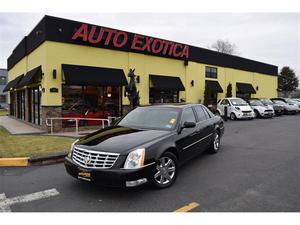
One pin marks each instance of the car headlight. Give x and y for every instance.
(238, 108)
(135, 159)
(72, 146)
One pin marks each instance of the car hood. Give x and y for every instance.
(245, 108)
(260, 108)
(292, 107)
(119, 139)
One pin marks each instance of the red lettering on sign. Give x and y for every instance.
(147, 44)
(82, 32)
(154, 45)
(110, 32)
(171, 48)
(137, 40)
(92, 33)
(166, 43)
(175, 52)
(125, 38)
(185, 52)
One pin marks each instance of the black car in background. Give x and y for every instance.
(278, 109)
(147, 145)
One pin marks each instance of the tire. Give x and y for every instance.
(256, 114)
(232, 116)
(215, 145)
(162, 178)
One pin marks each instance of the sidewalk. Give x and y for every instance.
(17, 127)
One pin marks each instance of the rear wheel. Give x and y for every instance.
(215, 145)
(166, 171)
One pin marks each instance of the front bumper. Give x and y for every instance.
(267, 114)
(113, 177)
(241, 115)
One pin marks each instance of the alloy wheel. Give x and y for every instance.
(216, 142)
(232, 116)
(165, 171)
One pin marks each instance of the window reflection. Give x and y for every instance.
(90, 102)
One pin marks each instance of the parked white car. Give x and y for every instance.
(261, 110)
(237, 108)
(289, 108)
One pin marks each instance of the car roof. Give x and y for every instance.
(179, 105)
(233, 98)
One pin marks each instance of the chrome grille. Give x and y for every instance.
(94, 159)
(248, 111)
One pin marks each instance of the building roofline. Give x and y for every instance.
(215, 58)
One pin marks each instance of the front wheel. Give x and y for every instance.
(232, 116)
(166, 171)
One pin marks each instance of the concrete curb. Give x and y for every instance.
(49, 159)
(32, 161)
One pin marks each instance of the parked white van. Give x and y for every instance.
(237, 108)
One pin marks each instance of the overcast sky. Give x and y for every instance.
(268, 37)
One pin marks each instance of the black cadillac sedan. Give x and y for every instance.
(147, 145)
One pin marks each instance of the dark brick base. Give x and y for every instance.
(51, 112)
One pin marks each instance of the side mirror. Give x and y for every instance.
(186, 125)
(189, 124)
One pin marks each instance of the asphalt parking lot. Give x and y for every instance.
(256, 170)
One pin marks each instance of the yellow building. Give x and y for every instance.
(70, 69)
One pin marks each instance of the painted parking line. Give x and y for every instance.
(5, 203)
(188, 207)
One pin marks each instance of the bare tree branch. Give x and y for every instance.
(225, 46)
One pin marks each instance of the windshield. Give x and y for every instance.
(256, 103)
(291, 101)
(279, 102)
(151, 118)
(238, 102)
(266, 101)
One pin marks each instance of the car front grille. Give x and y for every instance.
(94, 159)
(248, 111)
(268, 110)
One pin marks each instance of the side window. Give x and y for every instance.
(200, 113)
(206, 112)
(188, 115)
(225, 102)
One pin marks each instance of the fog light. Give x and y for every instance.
(135, 182)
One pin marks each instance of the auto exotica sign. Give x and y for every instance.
(106, 36)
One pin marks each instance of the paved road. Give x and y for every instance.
(257, 169)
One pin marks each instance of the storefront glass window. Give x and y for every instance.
(157, 96)
(12, 106)
(90, 102)
(21, 104)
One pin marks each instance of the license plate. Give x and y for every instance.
(83, 175)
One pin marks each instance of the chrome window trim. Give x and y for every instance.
(190, 145)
